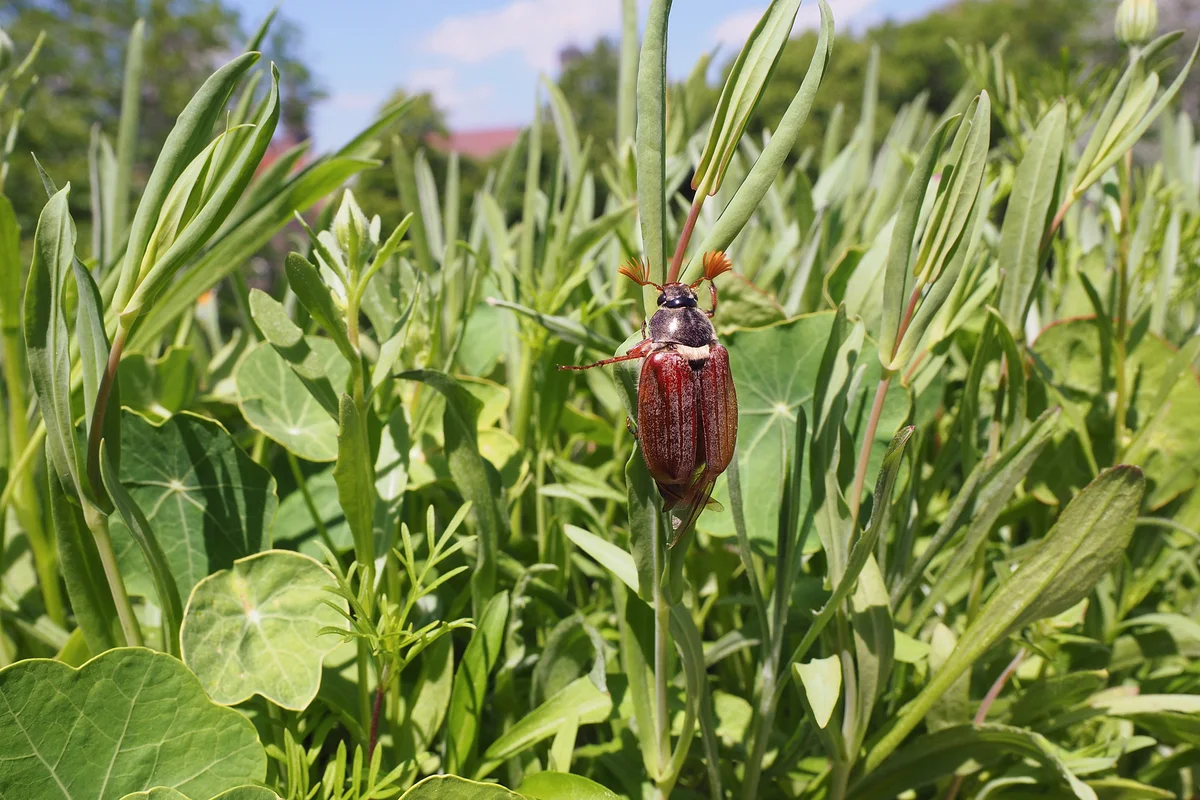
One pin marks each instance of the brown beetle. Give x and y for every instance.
(687, 407)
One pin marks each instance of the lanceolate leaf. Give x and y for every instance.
(46, 337)
(940, 754)
(245, 236)
(1026, 219)
(743, 87)
(898, 275)
(191, 133)
(652, 138)
(354, 475)
(1086, 541)
(471, 683)
(766, 169)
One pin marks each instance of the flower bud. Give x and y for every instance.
(350, 225)
(6, 50)
(1137, 22)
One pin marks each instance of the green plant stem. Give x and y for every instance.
(662, 623)
(1119, 349)
(23, 464)
(766, 719)
(21, 480)
(97, 523)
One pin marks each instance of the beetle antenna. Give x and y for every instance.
(638, 271)
(715, 263)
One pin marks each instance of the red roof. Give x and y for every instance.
(478, 144)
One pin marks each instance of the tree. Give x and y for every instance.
(589, 81)
(82, 67)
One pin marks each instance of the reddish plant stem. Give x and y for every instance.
(985, 705)
(685, 236)
(864, 452)
(376, 711)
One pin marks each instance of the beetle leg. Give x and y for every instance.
(632, 426)
(712, 287)
(640, 350)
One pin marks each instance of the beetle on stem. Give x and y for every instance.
(687, 407)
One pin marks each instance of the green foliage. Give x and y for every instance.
(954, 551)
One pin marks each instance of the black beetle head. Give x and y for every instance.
(677, 295)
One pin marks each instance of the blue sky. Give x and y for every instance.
(482, 58)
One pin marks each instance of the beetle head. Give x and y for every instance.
(677, 295)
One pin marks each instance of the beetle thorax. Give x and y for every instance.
(688, 327)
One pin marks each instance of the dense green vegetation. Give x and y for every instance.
(352, 534)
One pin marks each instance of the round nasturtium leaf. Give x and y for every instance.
(128, 720)
(277, 403)
(207, 501)
(452, 787)
(236, 793)
(254, 629)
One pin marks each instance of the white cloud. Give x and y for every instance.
(537, 29)
(735, 29)
(448, 94)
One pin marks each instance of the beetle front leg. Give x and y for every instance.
(640, 350)
(712, 287)
(631, 426)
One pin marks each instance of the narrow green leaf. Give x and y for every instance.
(770, 162)
(898, 272)
(1089, 537)
(607, 554)
(83, 572)
(10, 267)
(580, 699)
(940, 754)
(131, 98)
(471, 683)
(651, 145)
(1026, 219)
(305, 280)
(246, 236)
(46, 340)
(627, 74)
(216, 208)
(192, 131)
(355, 478)
(744, 86)
(1131, 136)
(1168, 264)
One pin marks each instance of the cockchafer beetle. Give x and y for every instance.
(687, 407)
